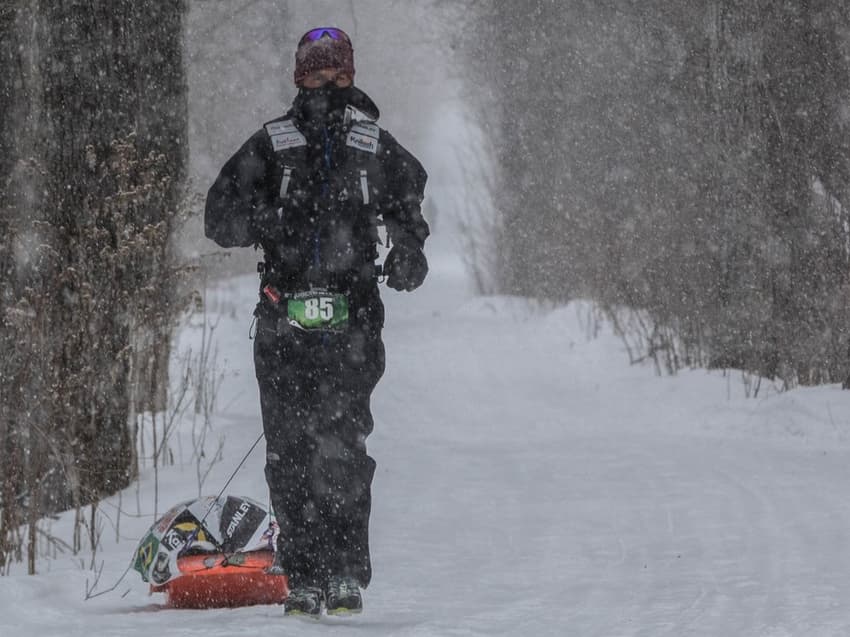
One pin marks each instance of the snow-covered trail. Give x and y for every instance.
(659, 536)
(531, 483)
(566, 494)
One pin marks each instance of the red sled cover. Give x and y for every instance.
(220, 581)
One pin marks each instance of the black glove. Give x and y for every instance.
(405, 267)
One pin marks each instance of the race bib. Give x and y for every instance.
(318, 310)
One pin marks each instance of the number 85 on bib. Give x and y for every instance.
(318, 310)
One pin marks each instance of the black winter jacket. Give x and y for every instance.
(312, 199)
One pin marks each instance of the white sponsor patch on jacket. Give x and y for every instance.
(364, 136)
(285, 135)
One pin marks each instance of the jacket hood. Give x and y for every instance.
(363, 103)
(357, 99)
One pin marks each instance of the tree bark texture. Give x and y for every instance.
(93, 133)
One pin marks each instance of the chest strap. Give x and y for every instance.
(364, 187)
(284, 183)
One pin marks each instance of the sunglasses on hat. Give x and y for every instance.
(330, 32)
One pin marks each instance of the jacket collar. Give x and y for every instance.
(359, 102)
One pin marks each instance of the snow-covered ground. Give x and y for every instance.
(530, 482)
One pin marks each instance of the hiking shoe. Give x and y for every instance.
(342, 596)
(306, 601)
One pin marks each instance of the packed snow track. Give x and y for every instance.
(530, 482)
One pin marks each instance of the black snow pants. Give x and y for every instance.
(315, 390)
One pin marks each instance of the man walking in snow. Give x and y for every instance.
(309, 188)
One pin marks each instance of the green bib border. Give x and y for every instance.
(318, 310)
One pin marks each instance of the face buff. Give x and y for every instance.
(322, 106)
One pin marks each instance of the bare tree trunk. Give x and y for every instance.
(91, 176)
